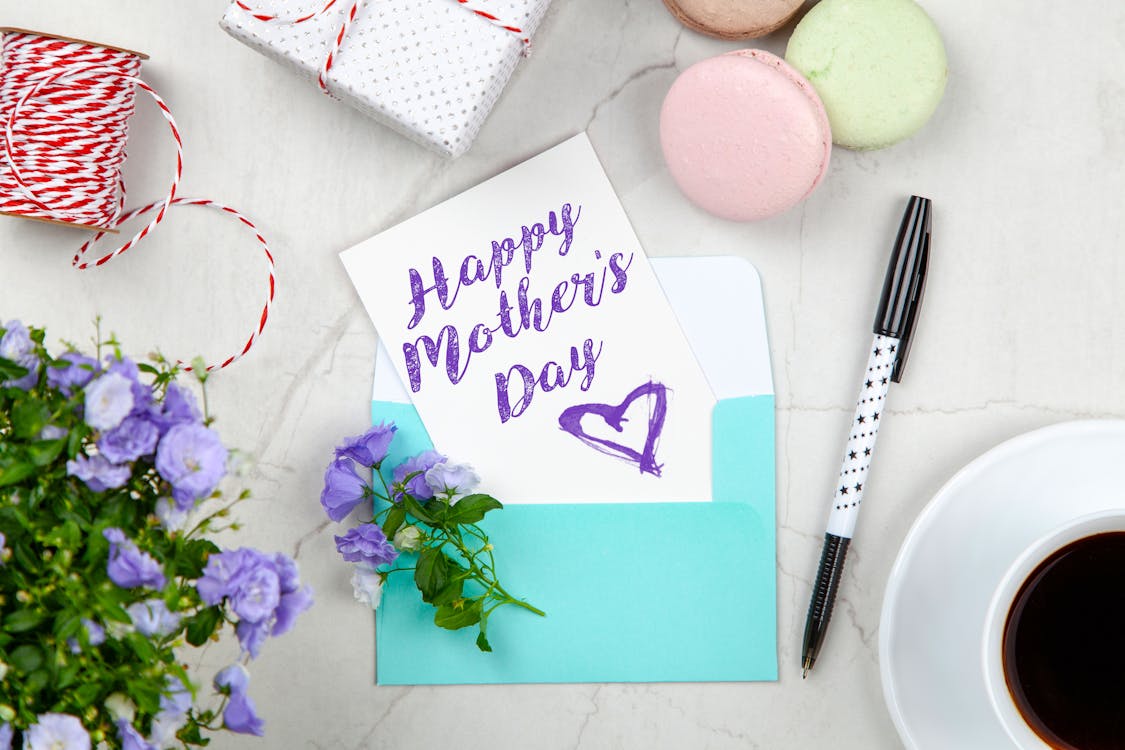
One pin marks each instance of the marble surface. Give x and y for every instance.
(1022, 326)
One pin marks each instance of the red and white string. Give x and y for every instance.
(472, 6)
(65, 109)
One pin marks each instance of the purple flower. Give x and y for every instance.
(152, 617)
(193, 460)
(370, 448)
(56, 732)
(127, 368)
(290, 605)
(449, 477)
(258, 593)
(240, 715)
(128, 441)
(418, 465)
(179, 407)
(95, 636)
(251, 636)
(175, 703)
(129, 567)
(16, 346)
(79, 371)
(109, 399)
(5, 736)
(288, 577)
(130, 738)
(232, 679)
(170, 515)
(295, 599)
(52, 432)
(223, 574)
(263, 591)
(95, 632)
(344, 489)
(98, 473)
(366, 544)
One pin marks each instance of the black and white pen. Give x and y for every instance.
(894, 327)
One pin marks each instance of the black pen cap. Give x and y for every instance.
(905, 281)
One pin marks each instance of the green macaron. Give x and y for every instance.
(879, 66)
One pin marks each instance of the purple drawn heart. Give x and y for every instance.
(614, 416)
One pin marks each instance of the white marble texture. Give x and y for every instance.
(1021, 328)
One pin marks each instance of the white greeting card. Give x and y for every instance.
(535, 341)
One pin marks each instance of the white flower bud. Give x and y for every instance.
(120, 707)
(408, 539)
(367, 584)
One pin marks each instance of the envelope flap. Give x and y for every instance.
(662, 592)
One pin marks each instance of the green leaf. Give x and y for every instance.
(22, 620)
(482, 637)
(36, 681)
(452, 617)
(471, 508)
(416, 510)
(9, 370)
(192, 558)
(450, 593)
(26, 658)
(431, 574)
(29, 416)
(396, 517)
(110, 607)
(144, 693)
(437, 509)
(191, 736)
(201, 625)
(67, 676)
(15, 471)
(142, 647)
(67, 625)
(44, 452)
(64, 536)
(87, 693)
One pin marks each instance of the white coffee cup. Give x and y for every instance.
(992, 652)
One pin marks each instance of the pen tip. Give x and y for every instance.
(805, 667)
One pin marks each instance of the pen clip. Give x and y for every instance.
(914, 243)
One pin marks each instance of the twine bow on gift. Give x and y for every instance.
(349, 17)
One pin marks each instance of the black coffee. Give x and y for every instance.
(1064, 646)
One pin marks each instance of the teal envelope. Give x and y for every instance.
(634, 592)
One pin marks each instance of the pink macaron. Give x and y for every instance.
(745, 135)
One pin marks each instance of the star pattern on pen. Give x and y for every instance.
(865, 425)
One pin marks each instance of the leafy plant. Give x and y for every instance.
(105, 567)
(427, 510)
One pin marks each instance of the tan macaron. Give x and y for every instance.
(734, 19)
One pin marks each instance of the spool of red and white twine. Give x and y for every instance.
(65, 106)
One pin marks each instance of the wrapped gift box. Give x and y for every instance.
(429, 69)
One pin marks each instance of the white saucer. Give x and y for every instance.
(954, 557)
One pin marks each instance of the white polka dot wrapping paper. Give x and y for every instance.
(429, 69)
